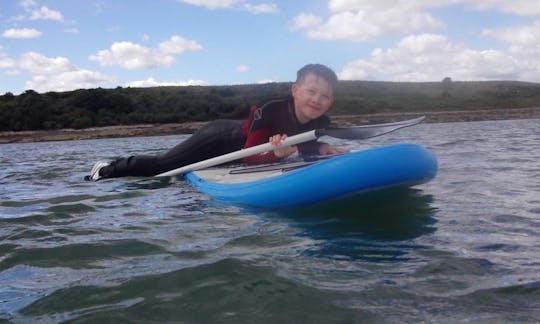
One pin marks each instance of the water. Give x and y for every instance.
(462, 248)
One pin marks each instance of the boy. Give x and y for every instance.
(312, 96)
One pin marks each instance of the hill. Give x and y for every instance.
(99, 107)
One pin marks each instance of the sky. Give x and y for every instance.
(63, 45)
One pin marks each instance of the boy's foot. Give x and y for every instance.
(94, 174)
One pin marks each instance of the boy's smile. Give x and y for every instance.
(313, 97)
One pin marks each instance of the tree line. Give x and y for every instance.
(85, 108)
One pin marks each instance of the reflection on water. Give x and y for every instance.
(376, 226)
(392, 214)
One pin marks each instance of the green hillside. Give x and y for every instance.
(127, 106)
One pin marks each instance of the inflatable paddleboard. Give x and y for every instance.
(298, 184)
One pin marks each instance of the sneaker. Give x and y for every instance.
(94, 174)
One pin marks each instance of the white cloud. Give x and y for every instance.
(37, 63)
(304, 21)
(523, 45)
(34, 13)
(234, 4)
(57, 74)
(212, 4)
(242, 68)
(260, 8)
(518, 7)
(337, 6)
(523, 39)
(151, 82)
(5, 61)
(428, 57)
(269, 80)
(133, 56)
(363, 20)
(21, 33)
(431, 57)
(45, 13)
(178, 45)
(27, 3)
(66, 81)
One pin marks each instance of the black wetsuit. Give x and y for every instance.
(221, 137)
(215, 138)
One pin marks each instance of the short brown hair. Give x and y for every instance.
(319, 70)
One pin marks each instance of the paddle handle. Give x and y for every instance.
(240, 154)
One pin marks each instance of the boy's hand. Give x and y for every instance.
(281, 152)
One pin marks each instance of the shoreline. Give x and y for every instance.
(190, 127)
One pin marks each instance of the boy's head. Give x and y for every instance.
(313, 92)
(319, 70)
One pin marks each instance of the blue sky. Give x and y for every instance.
(61, 45)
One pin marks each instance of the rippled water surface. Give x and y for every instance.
(464, 247)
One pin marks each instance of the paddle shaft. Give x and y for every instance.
(240, 154)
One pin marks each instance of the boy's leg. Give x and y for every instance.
(215, 138)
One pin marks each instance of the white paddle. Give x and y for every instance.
(358, 132)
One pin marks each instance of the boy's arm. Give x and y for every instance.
(258, 137)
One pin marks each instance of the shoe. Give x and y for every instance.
(94, 174)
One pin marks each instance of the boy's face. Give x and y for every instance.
(313, 97)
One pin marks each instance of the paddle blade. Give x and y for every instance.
(367, 131)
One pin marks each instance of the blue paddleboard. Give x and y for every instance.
(290, 185)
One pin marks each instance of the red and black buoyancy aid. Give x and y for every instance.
(278, 117)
